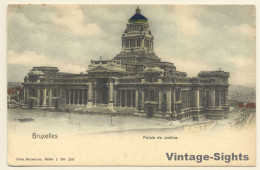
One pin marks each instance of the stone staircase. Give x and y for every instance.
(99, 109)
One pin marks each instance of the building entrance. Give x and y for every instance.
(150, 112)
(56, 104)
(102, 91)
(30, 104)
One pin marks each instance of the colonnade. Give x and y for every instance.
(137, 43)
(217, 98)
(134, 98)
(128, 98)
(44, 96)
(76, 96)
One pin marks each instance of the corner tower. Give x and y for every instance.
(137, 41)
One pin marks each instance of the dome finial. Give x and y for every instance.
(138, 11)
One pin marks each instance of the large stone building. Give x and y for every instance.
(135, 78)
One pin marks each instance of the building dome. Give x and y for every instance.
(138, 17)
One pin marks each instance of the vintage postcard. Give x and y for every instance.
(131, 85)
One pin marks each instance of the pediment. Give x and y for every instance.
(99, 69)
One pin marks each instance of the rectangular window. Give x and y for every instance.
(178, 94)
(151, 98)
(217, 98)
(54, 92)
(201, 97)
(164, 97)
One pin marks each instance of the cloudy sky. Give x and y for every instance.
(194, 38)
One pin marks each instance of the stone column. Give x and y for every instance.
(73, 96)
(212, 97)
(61, 96)
(115, 98)
(197, 98)
(95, 96)
(83, 95)
(142, 42)
(120, 98)
(111, 94)
(86, 96)
(111, 91)
(28, 93)
(142, 101)
(64, 95)
(69, 96)
(174, 100)
(226, 106)
(78, 100)
(90, 93)
(169, 102)
(225, 97)
(125, 98)
(160, 100)
(205, 98)
(38, 97)
(50, 97)
(44, 96)
(24, 94)
(131, 98)
(219, 97)
(180, 95)
(136, 100)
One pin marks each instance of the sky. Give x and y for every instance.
(194, 37)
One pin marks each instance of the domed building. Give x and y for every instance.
(136, 79)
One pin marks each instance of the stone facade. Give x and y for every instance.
(135, 78)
